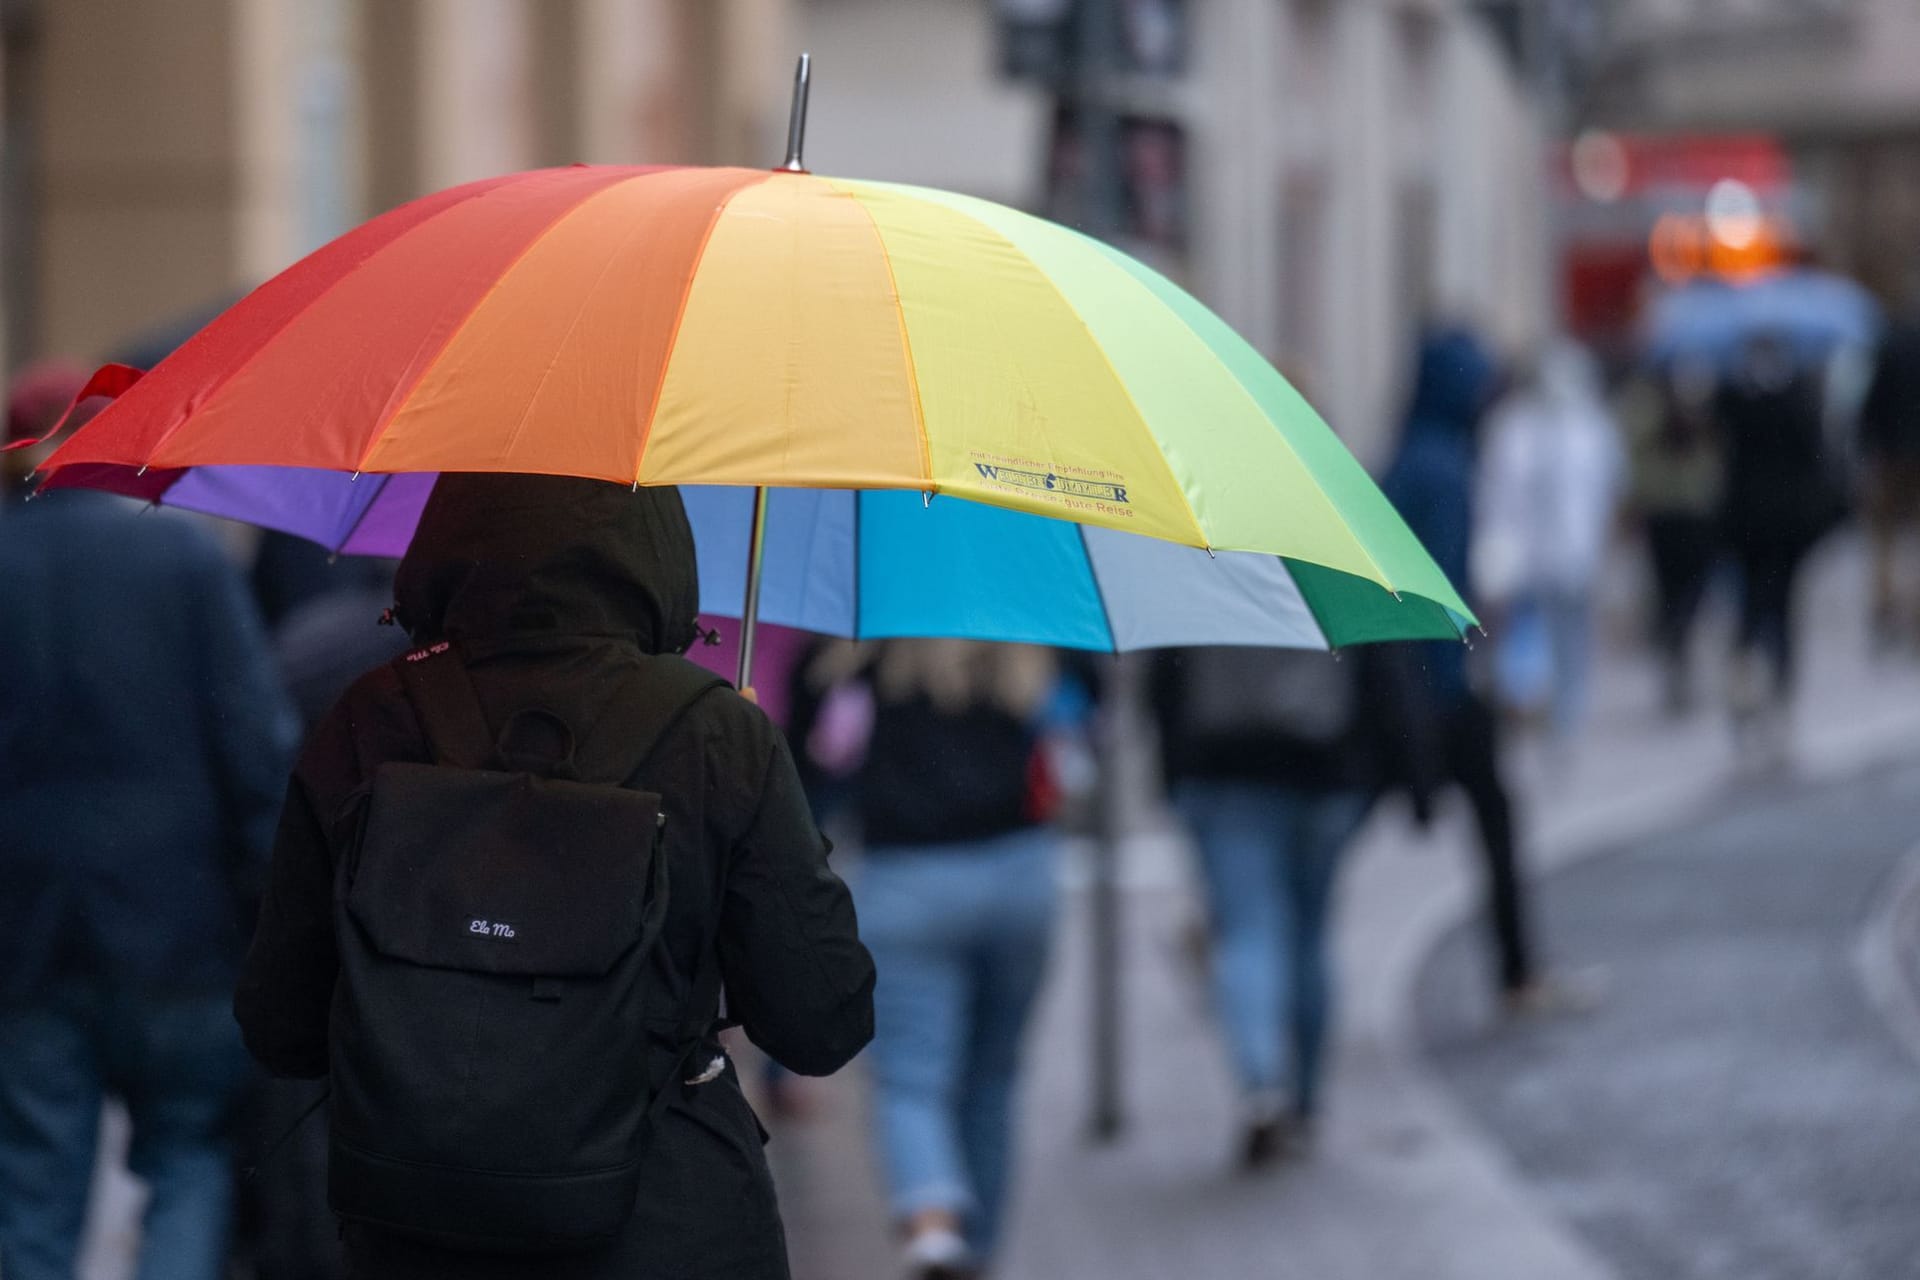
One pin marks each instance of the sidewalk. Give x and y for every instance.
(1403, 1185)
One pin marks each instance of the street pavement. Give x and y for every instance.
(1739, 1107)
(1407, 1183)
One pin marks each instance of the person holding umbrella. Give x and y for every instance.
(556, 594)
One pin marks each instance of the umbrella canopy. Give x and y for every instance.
(1816, 311)
(739, 327)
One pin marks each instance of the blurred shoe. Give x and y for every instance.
(939, 1254)
(1556, 995)
(1272, 1132)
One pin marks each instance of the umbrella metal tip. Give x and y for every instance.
(797, 120)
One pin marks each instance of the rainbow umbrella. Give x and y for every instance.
(771, 329)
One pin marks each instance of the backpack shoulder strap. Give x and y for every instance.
(442, 695)
(654, 704)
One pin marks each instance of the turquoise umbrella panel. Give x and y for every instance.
(879, 564)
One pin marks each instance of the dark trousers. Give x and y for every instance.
(1769, 572)
(177, 1062)
(1473, 763)
(1681, 548)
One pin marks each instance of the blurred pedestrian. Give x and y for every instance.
(1265, 756)
(143, 742)
(1783, 493)
(1890, 450)
(554, 599)
(1551, 473)
(957, 896)
(1431, 482)
(1677, 477)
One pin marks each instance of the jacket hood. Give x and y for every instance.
(499, 555)
(1454, 381)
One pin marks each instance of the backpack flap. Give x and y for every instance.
(507, 873)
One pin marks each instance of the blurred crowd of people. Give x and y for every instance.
(140, 784)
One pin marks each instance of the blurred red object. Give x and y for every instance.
(39, 395)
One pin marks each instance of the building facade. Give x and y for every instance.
(160, 158)
(1833, 80)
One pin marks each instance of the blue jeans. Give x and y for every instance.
(1268, 856)
(1546, 656)
(178, 1063)
(959, 935)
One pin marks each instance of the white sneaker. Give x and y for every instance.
(938, 1254)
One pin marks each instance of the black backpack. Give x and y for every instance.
(1296, 696)
(491, 1081)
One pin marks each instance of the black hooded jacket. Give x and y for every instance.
(556, 591)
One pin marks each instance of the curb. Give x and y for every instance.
(1887, 958)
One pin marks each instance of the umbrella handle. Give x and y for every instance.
(750, 607)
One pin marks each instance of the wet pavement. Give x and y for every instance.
(1739, 1106)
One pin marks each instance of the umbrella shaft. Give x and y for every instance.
(797, 119)
(750, 608)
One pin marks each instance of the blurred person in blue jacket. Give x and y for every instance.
(144, 741)
(1431, 483)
